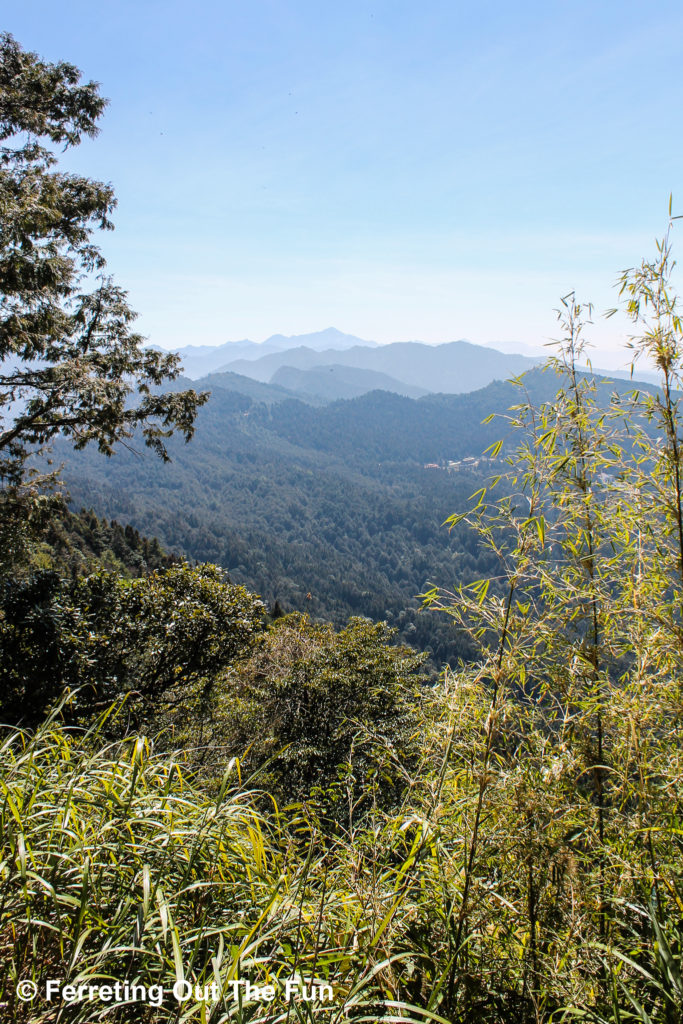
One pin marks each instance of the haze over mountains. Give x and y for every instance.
(200, 360)
(334, 381)
(332, 365)
(330, 508)
(329, 365)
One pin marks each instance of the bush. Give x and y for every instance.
(323, 704)
(157, 641)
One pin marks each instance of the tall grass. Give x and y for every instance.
(117, 866)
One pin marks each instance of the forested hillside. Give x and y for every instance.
(326, 510)
(81, 542)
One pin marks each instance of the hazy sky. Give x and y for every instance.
(399, 170)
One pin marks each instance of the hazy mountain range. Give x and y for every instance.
(330, 508)
(334, 508)
(333, 381)
(330, 365)
(199, 360)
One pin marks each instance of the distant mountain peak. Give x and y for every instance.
(330, 337)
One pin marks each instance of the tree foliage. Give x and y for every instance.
(312, 701)
(70, 363)
(156, 642)
(573, 820)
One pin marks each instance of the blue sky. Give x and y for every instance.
(398, 170)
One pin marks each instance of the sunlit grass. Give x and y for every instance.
(117, 866)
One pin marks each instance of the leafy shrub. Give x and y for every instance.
(159, 640)
(313, 701)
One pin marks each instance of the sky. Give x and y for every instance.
(400, 171)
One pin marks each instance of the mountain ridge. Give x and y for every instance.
(297, 363)
(455, 367)
(200, 360)
(333, 382)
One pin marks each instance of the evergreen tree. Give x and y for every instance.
(70, 362)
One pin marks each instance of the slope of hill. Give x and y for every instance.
(238, 384)
(334, 382)
(81, 542)
(199, 360)
(333, 510)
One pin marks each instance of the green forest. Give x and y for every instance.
(231, 802)
(326, 511)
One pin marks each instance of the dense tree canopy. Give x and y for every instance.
(310, 701)
(158, 641)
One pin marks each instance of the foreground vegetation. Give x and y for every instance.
(485, 893)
